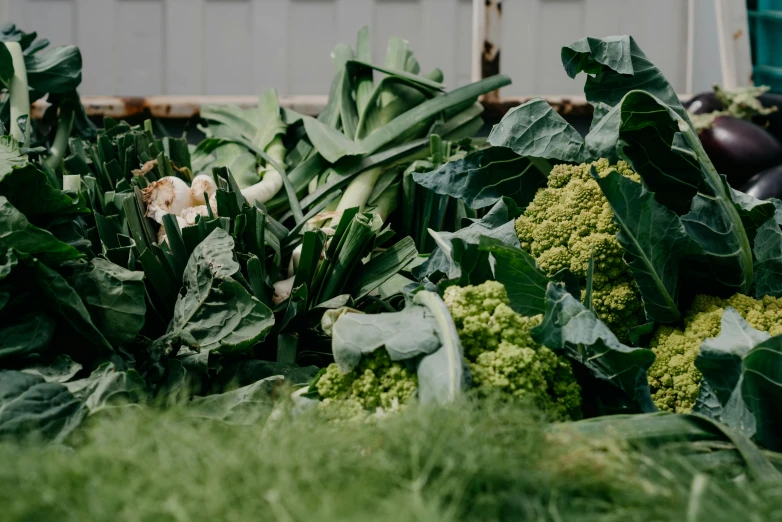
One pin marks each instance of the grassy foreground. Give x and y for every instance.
(464, 462)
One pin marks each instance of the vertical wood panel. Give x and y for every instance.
(439, 46)
(54, 19)
(464, 43)
(400, 18)
(139, 47)
(229, 67)
(96, 39)
(269, 45)
(312, 34)
(184, 71)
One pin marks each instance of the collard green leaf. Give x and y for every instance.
(16, 232)
(519, 273)
(62, 369)
(754, 212)
(484, 176)
(28, 189)
(57, 69)
(567, 325)
(654, 242)
(244, 406)
(115, 298)
(404, 335)
(29, 335)
(65, 301)
(381, 268)
(761, 390)
(107, 386)
(615, 66)
(668, 155)
(457, 253)
(720, 362)
(31, 406)
(217, 313)
(535, 129)
(768, 260)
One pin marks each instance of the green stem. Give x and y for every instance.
(60, 143)
(358, 191)
(19, 95)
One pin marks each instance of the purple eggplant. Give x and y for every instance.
(740, 149)
(766, 184)
(703, 103)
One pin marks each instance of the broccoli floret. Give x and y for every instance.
(376, 383)
(674, 380)
(570, 219)
(502, 356)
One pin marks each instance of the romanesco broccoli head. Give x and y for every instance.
(377, 382)
(502, 356)
(568, 221)
(674, 380)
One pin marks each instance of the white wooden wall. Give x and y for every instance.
(145, 47)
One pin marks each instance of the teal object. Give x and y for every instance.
(765, 27)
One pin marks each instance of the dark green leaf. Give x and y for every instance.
(62, 369)
(216, 313)
(535, 129)
(768, 260)
(517, 271)
(244, 406)
(17, 233)
(114, 298)
(31, 406)
(654, 242)
(57, 69)
(482, 177)
(30, 335)
(569, 326)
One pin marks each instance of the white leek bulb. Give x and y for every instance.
(161, 232)
(169, 195)
(282, 290)
(293, 265)
(203, 183)
(190, 213)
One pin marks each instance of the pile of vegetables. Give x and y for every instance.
(740, 130)
(588, 277)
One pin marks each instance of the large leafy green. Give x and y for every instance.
(742, 380)
(654, 242)
(614, 66)
(457, 254)
(404, 335)
(568, 325)
(16, 232)
(484, 176)
(216, 313)
(768, 260)
(536, 130)
(114, 296)
(31, 406)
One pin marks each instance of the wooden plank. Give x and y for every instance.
(52, 19)
(733, 38)
(439, 46)
(568, 18)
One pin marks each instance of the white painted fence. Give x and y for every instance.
(147, 47)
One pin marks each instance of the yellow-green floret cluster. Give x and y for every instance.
(502, 356)
(673, 378)
(377, 382)
(567, 221)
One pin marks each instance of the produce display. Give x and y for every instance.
(379, 258)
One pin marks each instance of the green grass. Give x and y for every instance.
(464, 462)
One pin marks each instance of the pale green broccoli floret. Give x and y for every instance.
(570, 219)
(674, 380)
(502, 356)
(376, 382)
